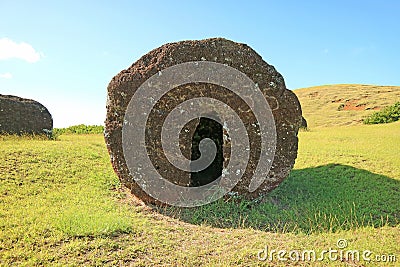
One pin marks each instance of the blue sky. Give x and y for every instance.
(64, 53)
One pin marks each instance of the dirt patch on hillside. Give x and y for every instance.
(313, 94)
(352, 105)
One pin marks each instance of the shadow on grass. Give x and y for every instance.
(322, 199)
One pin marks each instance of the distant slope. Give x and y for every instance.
(344, 104)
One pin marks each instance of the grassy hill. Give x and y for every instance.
(61, 203)
(344, 104)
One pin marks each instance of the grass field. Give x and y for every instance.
(62, 205)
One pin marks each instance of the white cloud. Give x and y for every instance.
(10, 49)
(6, 75)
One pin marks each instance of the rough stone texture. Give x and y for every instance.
(285, 105)
(19, 115)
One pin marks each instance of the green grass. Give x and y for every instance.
(61, 204)
(78, 129)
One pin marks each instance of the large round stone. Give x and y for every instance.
(20, 115)
(284, 104)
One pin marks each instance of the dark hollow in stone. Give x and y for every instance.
(285, 107)
(207, 128)
(20, 115)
